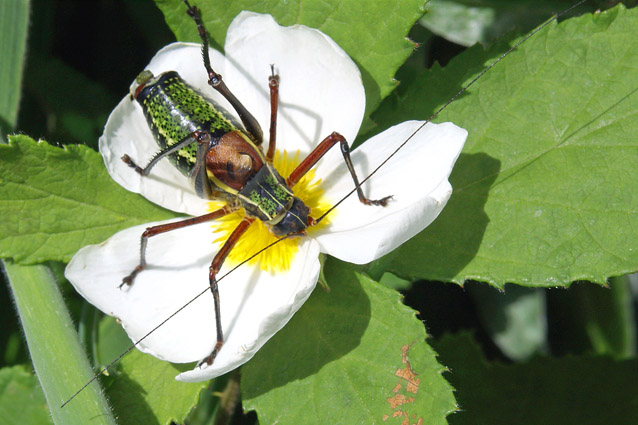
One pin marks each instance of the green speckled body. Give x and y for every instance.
(233, 168)
(268, 197)
(174, 111)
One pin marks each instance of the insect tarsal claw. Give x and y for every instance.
(380, 202)
(209, 359)
(128, 280)
(128, 161)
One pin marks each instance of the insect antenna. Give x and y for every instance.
(333, 207)
(136, 343)
(452, 99)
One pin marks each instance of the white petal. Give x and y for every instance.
(127, 132)
(265, 306)
(176, 273)
(254, 304)
(320, 86)
(416, 177)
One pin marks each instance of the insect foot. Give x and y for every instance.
(128, 161)
(210, 358)
(380, 202)
(128, 280)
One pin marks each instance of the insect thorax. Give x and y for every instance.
(174, 110)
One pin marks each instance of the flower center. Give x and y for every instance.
(278, 257)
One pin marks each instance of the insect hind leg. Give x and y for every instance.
(215, 267)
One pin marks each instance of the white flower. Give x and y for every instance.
(320, 92)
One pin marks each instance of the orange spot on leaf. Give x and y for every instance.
(412, 386)
(399, 400)
(407, 373)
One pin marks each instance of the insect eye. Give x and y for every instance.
(202, 136)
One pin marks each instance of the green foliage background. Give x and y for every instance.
(544, 197)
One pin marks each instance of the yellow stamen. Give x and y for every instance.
(279, 257)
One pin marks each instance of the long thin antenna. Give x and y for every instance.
(452, 99)
(434, 115)
(136, 343)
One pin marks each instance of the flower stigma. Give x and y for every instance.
(278, 257)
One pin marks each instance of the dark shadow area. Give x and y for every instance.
(578, 390)
(13, 346)
(590, 318)
(81, 58)
(567, 312)
(492, 304)
(447, 308)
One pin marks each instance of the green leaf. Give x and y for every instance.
(340, 358)
(14, 20)
(571, 390)
(57, 200)
(373, 34)
(395, 282)
(145, 391)
(55, 349)
(22, 401)
(543, 188)
(467, 22)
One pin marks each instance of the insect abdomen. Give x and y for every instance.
(174, 111)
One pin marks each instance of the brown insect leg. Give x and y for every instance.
(163, 228)
(215, 266)
(273, 84)
(319, 152)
